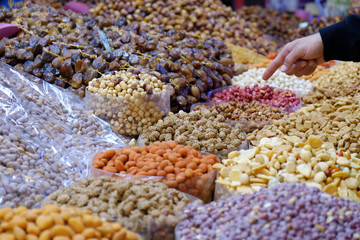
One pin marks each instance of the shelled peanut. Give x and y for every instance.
(58, 223)
(335, 120)
(319, 72)
(343, 71)
(342, 88)
(177, 166)
(129, 100)
(274, 160)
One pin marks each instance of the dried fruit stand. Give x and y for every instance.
(150, 120)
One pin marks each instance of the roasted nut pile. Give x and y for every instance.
(177, 166)
(279, 79)
(198, 18)
(129, 100)
(336, 120)
(147, 208)
(65, 49)
(204, 130)
(45, 136)
(275, 160)
(266, 95)
(285, 211)
(342, 88)
(343, 71)
(256, 115)
(319, 72)
(58, 223)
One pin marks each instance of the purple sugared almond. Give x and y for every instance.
(78, 7)
(284, 211)
(8, 30)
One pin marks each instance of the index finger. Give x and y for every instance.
(276, 63)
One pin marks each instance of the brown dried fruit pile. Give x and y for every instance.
(64, 48)
(202, 18)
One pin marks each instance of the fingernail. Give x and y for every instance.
(283, 68)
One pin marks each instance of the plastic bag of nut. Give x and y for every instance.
(129, 100)
(190, 178)
(45, 138)
(285, 100)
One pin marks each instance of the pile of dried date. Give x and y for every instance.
(66, 49)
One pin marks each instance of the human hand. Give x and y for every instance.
(300, 57)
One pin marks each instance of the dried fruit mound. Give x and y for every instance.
(284, 211)
(66, 49)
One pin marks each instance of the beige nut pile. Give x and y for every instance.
(340, 72)
(58, 223)
(336, 120)
(315, 163)
(126, 84)
(129, 102)
(204, 130)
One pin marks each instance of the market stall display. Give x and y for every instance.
(58, 223)
(170, 113)
(150, 209)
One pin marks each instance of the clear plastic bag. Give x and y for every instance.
(129, 116)
(46, 137)
(201, 187)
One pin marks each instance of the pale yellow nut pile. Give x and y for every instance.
(129, 102)
(290, 160)
(340, 72)
(126, 84)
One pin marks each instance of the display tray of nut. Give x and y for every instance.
(289, 160)
(177, 166)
